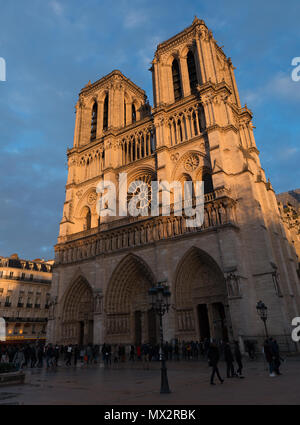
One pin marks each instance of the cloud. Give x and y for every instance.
(56, 7)
(280, 87)
(284, 87)
(134, 19)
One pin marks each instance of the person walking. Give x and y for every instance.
(213, 359)
(238, 359)
(69, 355)
(19, 359)
(229, 360)
(132, 353)
(276, 356)
(268, 351)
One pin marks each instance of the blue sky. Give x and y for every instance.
(53, 48)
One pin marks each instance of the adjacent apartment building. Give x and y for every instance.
(25, 297)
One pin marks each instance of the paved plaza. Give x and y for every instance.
(130, 384)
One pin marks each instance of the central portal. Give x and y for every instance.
(128, 317)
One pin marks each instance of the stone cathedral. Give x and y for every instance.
(196, 130)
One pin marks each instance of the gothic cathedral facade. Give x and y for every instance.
(197, 130)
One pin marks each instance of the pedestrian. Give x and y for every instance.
(238, 359)
(81, 354)
(268, 351)
(132, 353)
(69, 355)
(213, 359)
(276, 356)
(228, 356)
(19, 359)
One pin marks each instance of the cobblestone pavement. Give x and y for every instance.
(132, 385)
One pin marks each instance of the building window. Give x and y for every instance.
(22, 276)
(47, 300)
(133, 113)
(37, 300)
(176, 80)
(192, 71)
(87, 218)
(29, 300)
(105, 113)
(124, 113)
(20, 300)
(8, 299)
(94, 121)
(11, 274)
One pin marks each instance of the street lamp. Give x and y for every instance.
(262, 311)
(160, 296)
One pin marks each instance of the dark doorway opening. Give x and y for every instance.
(138, 327)
(203, 321)
(81, 333)
(91, 332)
(219, 307)
(152, 327)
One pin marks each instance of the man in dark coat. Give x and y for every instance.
(229, 360)
(268, 350)
(213, 359)
(238, 359)
(276, 354)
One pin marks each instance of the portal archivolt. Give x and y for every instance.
(128, 319)
(78, 310)
(200, 297)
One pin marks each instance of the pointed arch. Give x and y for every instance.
(133, 113)
(200, 297)
(191, 64)
(105, 112)
(188, 275)
(77, 312)
(177, 87)
(94, 121)
(87, 216)
(128, 285)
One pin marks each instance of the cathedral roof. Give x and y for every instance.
(178, 36)
(111, 76)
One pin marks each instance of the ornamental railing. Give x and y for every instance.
(131, 232)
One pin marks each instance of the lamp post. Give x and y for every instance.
(262, 311)
(160, 296)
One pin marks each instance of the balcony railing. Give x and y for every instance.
(26, 279)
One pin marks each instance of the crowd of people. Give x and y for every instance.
(38, 355)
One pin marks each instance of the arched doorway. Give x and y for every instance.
(129, 319)
(201, 298)
(78, 314)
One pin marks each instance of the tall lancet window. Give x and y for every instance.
(192, 71)
(176, 80)
(124, 113)
(105, 113)
(133, 113)
(94, 121)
